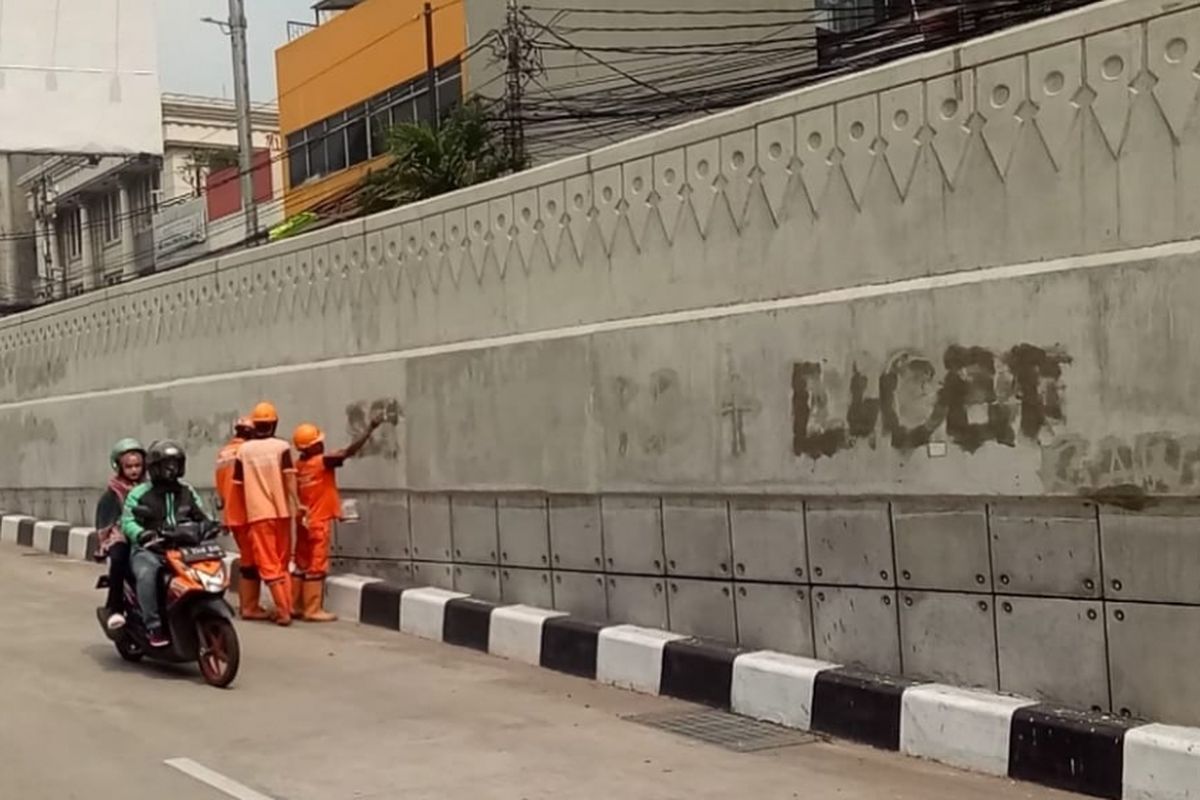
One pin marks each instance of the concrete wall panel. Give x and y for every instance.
(850, 544)
(430, 574)
(1153, 653)
(769, 542)
(473, 529)
(481, 582)
(352, 540)
(773, 617)
(576, 538)
(1055, 550)
(696, 537)
(523, 523)
(430, 518)
(857, 627)
(942, 546)
(702, 608)
(531, 587)
(388, 570)
(581, 594)
(1053, 650)
(638, 600)
(384, 517)
(949, 638)
(633, 539)
(485, 411)
(1152, 557)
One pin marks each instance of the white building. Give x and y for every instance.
(94, 217)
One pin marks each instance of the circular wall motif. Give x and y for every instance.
(1176, 49)
(1112, 67)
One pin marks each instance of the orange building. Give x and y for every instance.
(359, 70)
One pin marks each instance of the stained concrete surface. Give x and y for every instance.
(340, 712)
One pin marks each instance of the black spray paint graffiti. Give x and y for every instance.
(980, 398)
(386, 441)
(1150, 463)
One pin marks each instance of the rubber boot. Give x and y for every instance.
(297, 596)
(249, 598)
(281, 593)
(314, 595)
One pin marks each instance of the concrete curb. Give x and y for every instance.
(1101, 755)
(1091, 753)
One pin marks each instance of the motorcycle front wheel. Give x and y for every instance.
(219, 653)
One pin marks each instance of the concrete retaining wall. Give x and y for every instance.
(840, 318)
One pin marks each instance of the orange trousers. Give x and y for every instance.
(312, 548)
(241, 536)
(271, 547)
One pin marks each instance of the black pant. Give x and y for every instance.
(118, 572)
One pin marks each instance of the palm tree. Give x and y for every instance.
(429, 161)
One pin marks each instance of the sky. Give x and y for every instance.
(194, 57)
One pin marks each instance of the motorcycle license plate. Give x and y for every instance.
(204, 552)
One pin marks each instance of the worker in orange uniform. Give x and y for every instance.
(317, 478)
(267, 477)
(233, 516)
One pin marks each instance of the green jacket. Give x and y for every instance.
(168, 505)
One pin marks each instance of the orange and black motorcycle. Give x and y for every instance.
(191, 593)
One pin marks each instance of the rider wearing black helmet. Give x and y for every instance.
(160, 504)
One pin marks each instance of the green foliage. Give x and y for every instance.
(426, 161)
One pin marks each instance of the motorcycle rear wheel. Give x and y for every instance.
(219, 653)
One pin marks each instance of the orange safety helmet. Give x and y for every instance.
(264, 413)
(307, 435)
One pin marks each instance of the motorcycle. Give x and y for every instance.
(191, 592)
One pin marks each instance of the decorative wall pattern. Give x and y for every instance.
(1072, 136)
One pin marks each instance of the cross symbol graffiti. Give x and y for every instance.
(737, 405)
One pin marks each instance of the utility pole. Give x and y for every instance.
(430, 67)
(43, 201)
(241, 95)
(514, 42)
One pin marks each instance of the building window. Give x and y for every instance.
(359, 133)
(335, 143)
(110, 217)
(141, 199)
(72, 234)
(297, 155)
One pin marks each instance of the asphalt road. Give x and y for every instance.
(339, 712)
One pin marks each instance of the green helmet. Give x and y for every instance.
(126, 445)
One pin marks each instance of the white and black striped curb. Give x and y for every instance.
(1092, 753)
(49, 536)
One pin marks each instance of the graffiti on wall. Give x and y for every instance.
(1155, 463)
(385, 443)
(975, 396)
(651, 413)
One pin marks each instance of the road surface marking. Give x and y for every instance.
(214, 779)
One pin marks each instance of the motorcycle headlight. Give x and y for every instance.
(210, 582)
